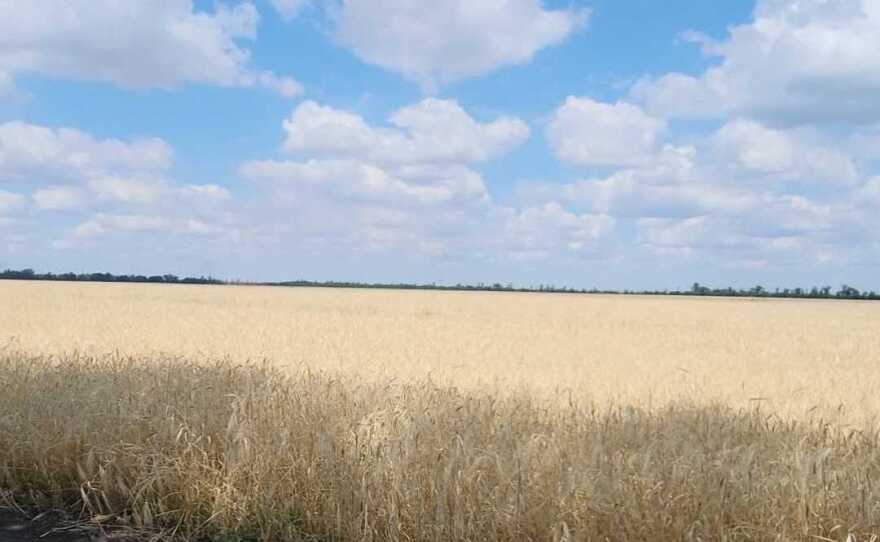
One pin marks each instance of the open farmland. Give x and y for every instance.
(279, 414)
(798, 358)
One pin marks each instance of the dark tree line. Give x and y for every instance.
(824, 292)
(30, 274)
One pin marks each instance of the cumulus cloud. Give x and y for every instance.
(788, 230)
(778, 229)
(403, 183)
(802, 62)
(36, 154)
(144, 191)
(745, 192)
(409, 185)
(541, 230)
(290, 8)
(57, 198)
(127, 190)
(678, 95)
(350, 179)
(285, 86)
(431, 131)
(422, 156)
(675, 184)
(868, 195)
(625, 194)
(107, 224)
(451, 39)
(112, 186)
(10, 202)
(587, 132)
(72, 169)
(783, 154)
(204, 193)
(781, 176)
(137, 44)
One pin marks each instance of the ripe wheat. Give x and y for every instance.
(276, 414)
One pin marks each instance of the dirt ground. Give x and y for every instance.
(49, 527)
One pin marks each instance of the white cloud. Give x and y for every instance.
(869, 194)
(449, 39)
(132, 191)
(682, 235)
(800, 62)
(431, 131)
(106, 224)
(678, 95)
(780, 181)
(205, 193)
(7, 86)
(724, 199)
(421, 157)
(784, 154)
(399, 186)
(409, 187)
(138, 44)
(235, 21)
(625, 194)
(745, 241)
(584, 131)
(127, 190)
(350, 179)
(285, 86)
(59, 198)
(544, 229)
(443, 125)
(38, 154)
(73, 171)
(318, 129)
(778, 230)
(676, 183)
(290, 8)
(865, 143)
(10, 202)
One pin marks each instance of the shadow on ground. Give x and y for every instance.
(49, 527)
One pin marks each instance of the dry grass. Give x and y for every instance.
(437, 416)
(219, 450)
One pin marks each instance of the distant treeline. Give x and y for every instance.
(30, 274)
(824, 292)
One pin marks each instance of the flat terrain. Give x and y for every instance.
(799, 358)
(247, 414)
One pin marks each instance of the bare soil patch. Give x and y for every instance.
(48, 527)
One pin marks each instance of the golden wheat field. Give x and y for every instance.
(242, 413)
(799, 358)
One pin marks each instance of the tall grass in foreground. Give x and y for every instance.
(250, 452)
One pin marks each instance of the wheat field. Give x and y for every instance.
(800, 358)
(254, 413)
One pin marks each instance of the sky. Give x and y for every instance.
(608, 143)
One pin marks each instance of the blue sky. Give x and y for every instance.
(618, 144)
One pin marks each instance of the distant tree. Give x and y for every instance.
(847, 292)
